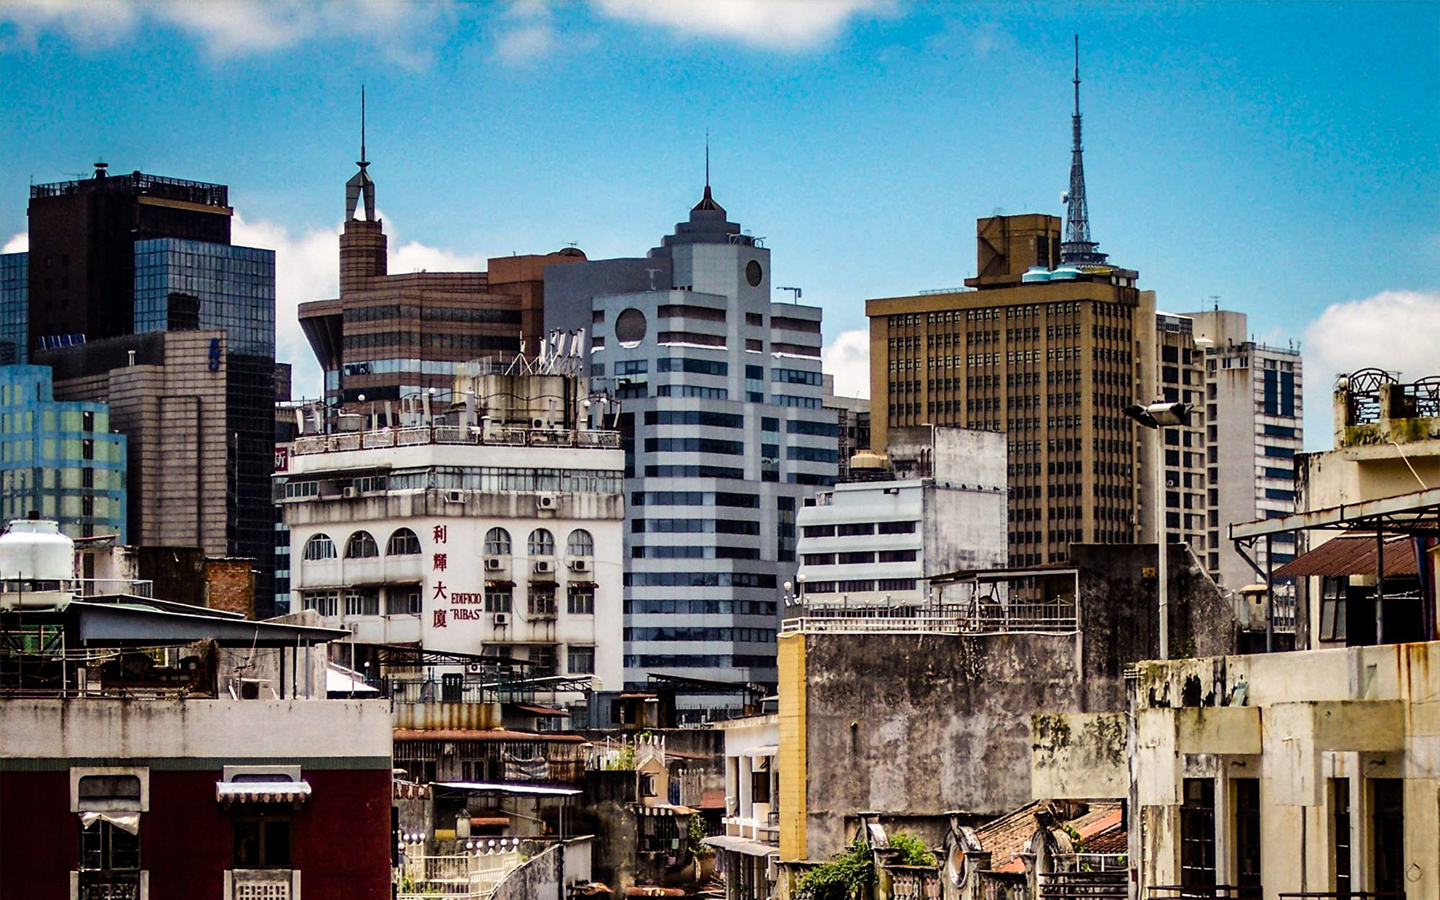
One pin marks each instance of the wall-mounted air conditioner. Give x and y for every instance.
(493, 564)
(502, 619)
(579, 565)
(349, 493)
(454, 496)
(544, 567)
(546, 501)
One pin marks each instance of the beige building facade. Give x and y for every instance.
(1049, 354)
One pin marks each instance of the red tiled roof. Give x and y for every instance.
(1007, 836)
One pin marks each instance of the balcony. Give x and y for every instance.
(457, 435)
(261, 884)
(106, 885)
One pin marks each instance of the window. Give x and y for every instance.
(403, 542)
(401, 601)
(1197, 834)
(362, 602)
(499, 598)
(542, 600)
(580, 599)
(1332, 607)
(361, 546)
(326, 603)
(581, 661)
(897, 527)
(1340, 840)
(108, 846)
(262, 842)
(497, 542)
(760, 787)
(542, 542)
(581, 543)
(1247, 836)
(319, 547)
(1387, 834)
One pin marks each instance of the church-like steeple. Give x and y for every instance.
(1078, 247)
(361, 184)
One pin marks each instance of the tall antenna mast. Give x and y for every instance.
(362, 125)
(360, 188)
(707, 159)
(1077, 246)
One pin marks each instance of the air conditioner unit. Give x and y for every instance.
(502, 619)
(349, 493)
(454, 496)
(476, 668)
(546, 501)
(544, 567)
(579, 565)
(493, 564)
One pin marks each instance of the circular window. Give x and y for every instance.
(753, 273)
(630, 327)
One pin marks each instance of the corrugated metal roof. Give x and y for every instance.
(476, 734)
(1351, 556)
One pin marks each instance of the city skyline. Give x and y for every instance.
(1220, 163)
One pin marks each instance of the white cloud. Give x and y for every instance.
(19, 243)
(525, 44)
(772, 24)
(1398, 331)
(307, 267)
(848, 360)
(235, 28)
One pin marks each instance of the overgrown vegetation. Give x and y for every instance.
(913, 851)
(842, 878)
(696, 835)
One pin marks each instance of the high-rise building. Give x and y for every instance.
(82, 245)
(1047, 343)
(119, 255)
(720, 405)
(389, 336)
(14, 308)
(852, 422)
(59, 459)
(1254, 423)
(1181, 377)
(1048, 355)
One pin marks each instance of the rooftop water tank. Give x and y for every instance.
(35, 550)
(1036, 273)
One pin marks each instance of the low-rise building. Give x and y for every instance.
(493, 528)
(751, 840)
(155, 749)
(936, 504)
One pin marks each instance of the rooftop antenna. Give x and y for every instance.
(1215, 301)
(707, 160)
(361, 184)
(1078, 247)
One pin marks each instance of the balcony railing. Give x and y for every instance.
(456, 435)
(980, 618)
(83, 587)
(109, 886)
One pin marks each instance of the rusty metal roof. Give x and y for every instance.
(1352, 556)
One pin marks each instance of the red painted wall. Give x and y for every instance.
(340, 836)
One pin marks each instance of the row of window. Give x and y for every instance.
(861, 557)
(860, 585)
(741, 635)
(701, 607)
(404, 542)
(853, 529)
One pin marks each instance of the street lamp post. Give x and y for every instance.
(1157, 417)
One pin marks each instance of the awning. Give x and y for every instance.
(767, 750)
(261, 791)
(740, 845)
(1351, 556)
(484, 787)
(663, 809)
(340, 680)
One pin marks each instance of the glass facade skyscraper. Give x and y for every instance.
(14, 308)
(186, 285)
(59, 458)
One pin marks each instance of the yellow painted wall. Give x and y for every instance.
(791, 759)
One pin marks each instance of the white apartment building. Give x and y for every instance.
(494, 529)
(1254, 427)
(752, 806)
(939, 506)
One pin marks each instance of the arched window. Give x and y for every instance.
(403, 543)
(581, 543)
(497, 542)
(542, 543)
(361, 546)
(320, 547)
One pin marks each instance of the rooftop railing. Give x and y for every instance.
(83, 587)
(382, 438)
(1051, 616)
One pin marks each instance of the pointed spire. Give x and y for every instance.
(1077, 246)
(361, 185)
(707, 202)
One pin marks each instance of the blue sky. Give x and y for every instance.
(1283, 157)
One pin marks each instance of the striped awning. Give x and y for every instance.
(261, 791)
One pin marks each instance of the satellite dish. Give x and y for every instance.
(1064, 196)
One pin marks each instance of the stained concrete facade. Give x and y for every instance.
(910, 722)
(1340, 747)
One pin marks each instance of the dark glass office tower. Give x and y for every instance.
(119, 255)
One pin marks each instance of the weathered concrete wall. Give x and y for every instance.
(914, 725)
(538, 878)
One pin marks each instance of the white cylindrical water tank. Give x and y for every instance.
(35, 550)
